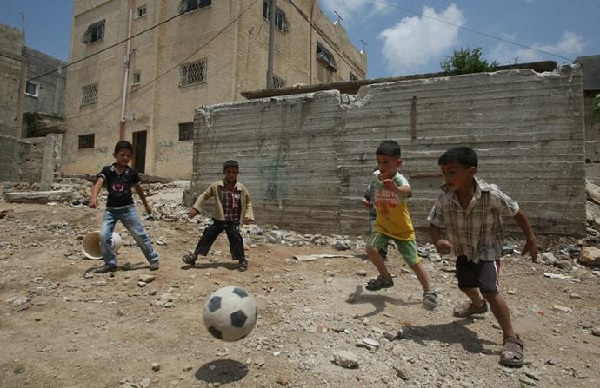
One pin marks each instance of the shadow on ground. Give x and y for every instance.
(222, 371)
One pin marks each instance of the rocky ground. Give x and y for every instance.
(315, 328)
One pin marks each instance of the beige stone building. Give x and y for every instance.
(183, 54)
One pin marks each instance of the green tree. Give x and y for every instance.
(466, 61)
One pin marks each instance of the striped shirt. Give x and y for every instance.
(475, 232)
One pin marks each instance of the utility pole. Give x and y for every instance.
(126, 64)
(272, 8)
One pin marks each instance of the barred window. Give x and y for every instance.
(191, 5)
(325, 56)
(86, 141)
(141, 11)
(89, 94)
(137, 77)
(31, 88)
(278, 83)
(281, 22)
(186, 131)
(192, 73)
(94, 32)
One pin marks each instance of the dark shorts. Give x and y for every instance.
(482, 275)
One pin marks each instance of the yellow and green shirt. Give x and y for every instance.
(393, 216)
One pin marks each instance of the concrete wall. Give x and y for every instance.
(51, 87)
(592, 128)
(22, 160)
(11, 74)
(307, 158)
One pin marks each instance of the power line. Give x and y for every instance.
(471, 30)
(106, 48)
(221, 31)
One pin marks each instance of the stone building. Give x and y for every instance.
(31, 107)
(182, 55)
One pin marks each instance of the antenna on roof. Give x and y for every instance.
(340, 19)
(364, 48)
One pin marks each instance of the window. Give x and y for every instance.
(281, 22)
(353, 77)
(192, 73)
(191, 5)
(141, 11)
(186, 131)
(137, 77)
(326, 57)
(86, 141)
(94, 33)
(31, 88)
(89, 94)
(278, 83)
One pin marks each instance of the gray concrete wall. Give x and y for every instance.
(592, 128)
(308, 158)
(11, 73)
(42, 69)
(23, 160)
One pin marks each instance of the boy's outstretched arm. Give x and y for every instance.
(140, 191)
(94, 195)
(391, 186)
(531, 245)
(442, 246)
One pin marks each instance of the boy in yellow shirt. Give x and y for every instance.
(393, 222)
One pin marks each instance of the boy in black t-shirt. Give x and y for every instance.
(119, 178)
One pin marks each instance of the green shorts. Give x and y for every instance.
(408, 248)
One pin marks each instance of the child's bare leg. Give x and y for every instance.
(475, 296)
(422, 276)
(377, 260)
(501, 312)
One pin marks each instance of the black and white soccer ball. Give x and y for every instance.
(230, 313)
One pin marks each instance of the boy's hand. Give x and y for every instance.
(366, 203)
(193, 213)
(247, 221)
(531, 246)
(443, 246)
(93, 203)
(389, 184)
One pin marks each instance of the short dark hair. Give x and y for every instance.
(123, 145)
(465, 156)
(389, 148)
(230, 163)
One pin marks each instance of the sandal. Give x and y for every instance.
(512, 352)
(189, 259)
(243, 265)
(379, 283)
(470, 309)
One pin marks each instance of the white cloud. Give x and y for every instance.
(351, 10)
(415, 41)
(569, 46)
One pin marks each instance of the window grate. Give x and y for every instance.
(186, 131)
(31, 89)
(94, 32)
(191, 5)
(86, 141)
(278, 83)
(192, 73)
(89, 94)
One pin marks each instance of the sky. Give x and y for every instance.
(400, 37)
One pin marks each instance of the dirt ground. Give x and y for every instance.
(59, 329)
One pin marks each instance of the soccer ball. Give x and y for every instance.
(230, 313)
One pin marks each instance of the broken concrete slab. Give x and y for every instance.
(38, 196)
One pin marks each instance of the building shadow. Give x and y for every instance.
(223, 371)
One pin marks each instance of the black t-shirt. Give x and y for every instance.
(119, 185)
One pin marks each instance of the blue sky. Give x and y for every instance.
(402, 36)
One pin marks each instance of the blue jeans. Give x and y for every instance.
(129, 217)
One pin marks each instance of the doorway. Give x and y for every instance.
(139, 151)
